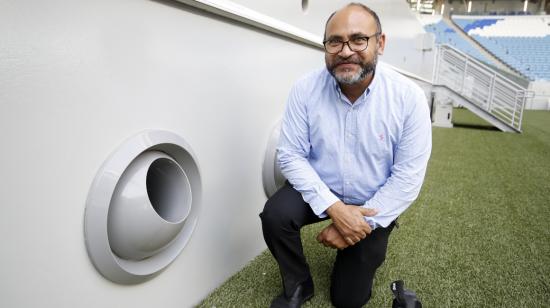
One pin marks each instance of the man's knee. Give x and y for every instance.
(377, 257)
(272, 216)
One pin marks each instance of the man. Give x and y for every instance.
(355, 142)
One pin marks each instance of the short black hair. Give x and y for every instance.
(366, 8)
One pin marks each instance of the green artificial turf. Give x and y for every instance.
(477, 236)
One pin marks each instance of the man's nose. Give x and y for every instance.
(346, 51)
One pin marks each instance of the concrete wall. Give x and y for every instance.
(77, 78)
(541, 100)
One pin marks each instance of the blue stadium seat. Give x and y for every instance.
(446, 35)
(529, 55)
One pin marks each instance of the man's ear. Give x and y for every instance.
(381, 43)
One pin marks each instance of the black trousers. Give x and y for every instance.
(284, 214)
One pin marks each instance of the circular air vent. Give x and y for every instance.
(142, 207)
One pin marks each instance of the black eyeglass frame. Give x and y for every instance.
(349, 46)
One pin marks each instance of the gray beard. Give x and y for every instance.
(359, 76)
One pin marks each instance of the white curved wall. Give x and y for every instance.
(77, 78)
(404, 34)
(400, 24)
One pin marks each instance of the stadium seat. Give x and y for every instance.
(522, 42)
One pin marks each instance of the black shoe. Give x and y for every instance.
(301, 295)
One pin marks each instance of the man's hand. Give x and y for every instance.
(350, 222)
(330, 237)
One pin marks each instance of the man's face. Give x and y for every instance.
(351, 67)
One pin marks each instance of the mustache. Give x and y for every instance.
(339, 61)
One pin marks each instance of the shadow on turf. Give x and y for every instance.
(476, 126)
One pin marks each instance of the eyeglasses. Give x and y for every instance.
(359, 43)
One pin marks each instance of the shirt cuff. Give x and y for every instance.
(322, 201)
(372, 223)
(370, 220)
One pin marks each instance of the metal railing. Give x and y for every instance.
(481, 85)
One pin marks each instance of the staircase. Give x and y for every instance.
(476, 86)
(481, 89)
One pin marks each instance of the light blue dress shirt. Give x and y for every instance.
(373, 152)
